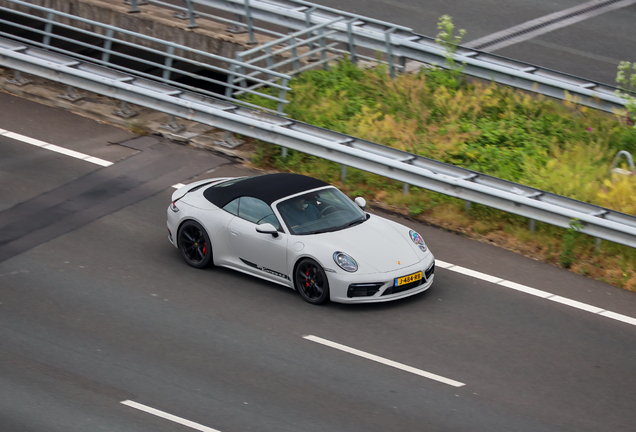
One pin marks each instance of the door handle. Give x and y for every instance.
(234, 232)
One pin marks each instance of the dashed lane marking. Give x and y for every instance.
(62, 150)
(384, 361)
(55, 148)
(167, 416)
(538, 293)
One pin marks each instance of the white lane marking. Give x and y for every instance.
(537, 293)
(525, 289)
(476, 274)
(55, 148)
(384, 361)
(545, 24)
(170, 417)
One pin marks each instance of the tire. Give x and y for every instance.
(311, 281)
(194, 245)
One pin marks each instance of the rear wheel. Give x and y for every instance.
(311, 281)
(194, 244)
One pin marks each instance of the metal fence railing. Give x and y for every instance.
(145, 56)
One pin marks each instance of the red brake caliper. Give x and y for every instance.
(307, 283)
(205, 248)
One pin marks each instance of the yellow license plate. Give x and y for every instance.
(408, 279)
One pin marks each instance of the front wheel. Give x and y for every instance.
(311, 281)
(194, 244)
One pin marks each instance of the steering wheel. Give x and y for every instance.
(322, 212)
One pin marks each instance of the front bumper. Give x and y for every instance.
(380, 286)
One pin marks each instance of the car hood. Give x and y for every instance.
(376, 245)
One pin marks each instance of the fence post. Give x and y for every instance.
(282, 96)
(133, 5)
(168, 63)
(308, 13)
(292, 44)
(250, 26)
(48, 28)
(108, 44)
(191, 15)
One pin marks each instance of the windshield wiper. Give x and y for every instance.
(355, 222)
(325, 230)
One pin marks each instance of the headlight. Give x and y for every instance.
(418, 240)
(345, 262)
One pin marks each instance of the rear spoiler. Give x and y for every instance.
(182, 191)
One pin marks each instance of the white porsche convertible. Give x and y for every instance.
(299, 232)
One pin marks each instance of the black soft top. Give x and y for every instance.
(267, 187)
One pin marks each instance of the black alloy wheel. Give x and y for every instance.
(311, 281)
(194, 244)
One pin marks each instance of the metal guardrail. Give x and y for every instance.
(401, 43)
(347, 150)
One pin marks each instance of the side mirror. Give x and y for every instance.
(267, 228)
(362, 203)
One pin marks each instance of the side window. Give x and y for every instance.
(232, 207)
(255, 210)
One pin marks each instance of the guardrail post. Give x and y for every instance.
(284, 152)
(48, 28)
(405, 188)
(597, 244)
(18, 79)
(71, 95)
(467, 205)
(172, 125)
(343, 172)
(229, 140)
(125, 111)
(532, 225)
(108, 44)
(389, 51)
(323, 52)
(352, 46)
(168, 63)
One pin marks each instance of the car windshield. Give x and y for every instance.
(320, 211)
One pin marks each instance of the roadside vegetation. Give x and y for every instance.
(560, 147)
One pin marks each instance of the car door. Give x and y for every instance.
(260, 251)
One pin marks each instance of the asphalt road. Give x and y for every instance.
(97, 308)
(591, 48)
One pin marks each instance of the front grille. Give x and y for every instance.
(364, 289)
(401, 288)
(429, 271)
